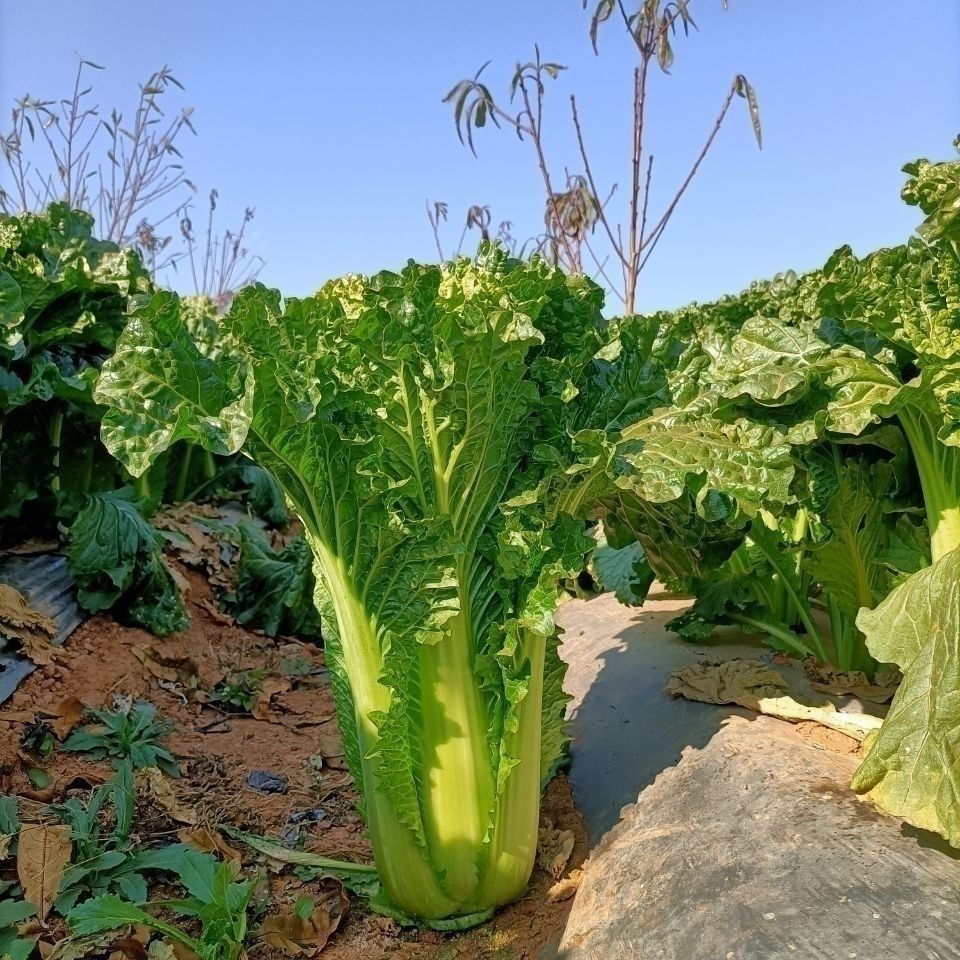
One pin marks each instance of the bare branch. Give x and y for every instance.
(657, 231)
(605, 223)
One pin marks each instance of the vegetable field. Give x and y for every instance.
(280, 576)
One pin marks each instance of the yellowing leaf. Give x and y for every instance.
(910, 769)
(43, 854)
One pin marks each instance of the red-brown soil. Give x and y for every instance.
(218, 751)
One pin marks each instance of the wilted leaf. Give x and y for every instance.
(742, 682)
(298, 935)
(194, 542)
(751, 684)
(745, 89)
(116, 557)
(43, 854)
(275, 590)
(77, 948)
(604, 10)
(554, 848)
(853, 683)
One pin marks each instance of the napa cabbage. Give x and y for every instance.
(413, 421)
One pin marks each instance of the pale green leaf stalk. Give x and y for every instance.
(398, 414)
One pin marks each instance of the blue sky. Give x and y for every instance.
(327, 117)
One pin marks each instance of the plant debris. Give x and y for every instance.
(752, 684)
(306, 930)
(32, 631)
(43, 854)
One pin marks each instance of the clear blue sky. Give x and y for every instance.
(327, 117)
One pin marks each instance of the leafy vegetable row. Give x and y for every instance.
(795, 461)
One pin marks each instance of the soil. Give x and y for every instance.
(217, 751)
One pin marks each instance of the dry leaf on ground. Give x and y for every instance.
(751, 684)
(742, 682)
(155, 785)
(68, 714)
(21, 623)
(299, 936)
(43, 853)
(77, 948)
(262, 709)
(182, 670)
(564, 889)
(192, 541)
(207, 840)
(852, 683)
(554, 848)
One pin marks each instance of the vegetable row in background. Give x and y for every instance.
(63, 302)
(792, 456)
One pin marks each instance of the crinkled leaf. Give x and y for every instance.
(623, 571)
(275, 590)
(159, 388)
(116, 557)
